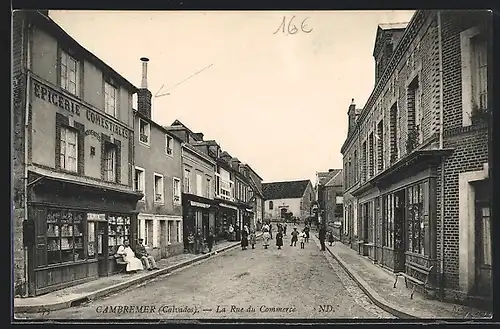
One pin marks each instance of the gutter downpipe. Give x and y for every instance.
(441, 129)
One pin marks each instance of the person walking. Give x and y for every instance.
(302, 238)
(244, 239)
(295, 235)
(265, 237)
(210, 240)
(279, 239)
(306, 231)
(322, 236)
(252, 239)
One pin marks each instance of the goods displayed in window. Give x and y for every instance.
(118, 232)
(64, 236)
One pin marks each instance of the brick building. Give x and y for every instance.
(73, 159)
(329, 192)
(416, 188)
(158, 175)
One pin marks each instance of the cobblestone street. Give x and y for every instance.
(287, 283)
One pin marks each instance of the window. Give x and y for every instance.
(139, 181)
(187, 180)
(380, 145)
(148, 232)
(217, 184)
(388, 221)
(199, 184)
(144, 132)
(109, 162)
(119, 231)
(484, 236)
(479, 72)
(69, 149)
(171, 231)
(109, 99)
(69, 73)
(169, 145)
(177, 190)
(474, 59)
(416, 228)
(415, 136)
(158, 189)
(364, 162)
(355, 167)
(64, 237)
(208, 187)
(178, 231)
(394, 133)
(271, 205)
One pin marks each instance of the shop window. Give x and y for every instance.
(187, 180)
(110, 99)
(169, 141)
(70, 78)
(140, 181)
(158, 188)
(388, 221)
(91, 240)
(416, 227)
(69, 149)
(109, 162)
(271, 205)
(65, 237)
(118, 232)
(144, 132)
(177, 190)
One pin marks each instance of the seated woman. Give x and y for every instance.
(134, 264)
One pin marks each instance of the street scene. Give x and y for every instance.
(286, 171)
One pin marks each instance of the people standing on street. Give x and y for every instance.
(295, 235)
(284, 229)
(252, 239)
(147, 260)
(244, 239)
(231, 232)
(306, 231)
(279, 239)
(198, 241)
(265, 237)
(302, 237)
(190, 239)
(271, 230)
(331, 239)
(322, 237)
(210, 240)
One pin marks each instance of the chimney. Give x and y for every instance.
(330, 170)
(351, 113)
(143, 94)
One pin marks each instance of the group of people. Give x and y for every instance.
(248, 237)
(137, 260)
(197, 243)
(295, 235)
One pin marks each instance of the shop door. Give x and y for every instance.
(102, 248)
(399, 231)
(483, 242)
(205, 224)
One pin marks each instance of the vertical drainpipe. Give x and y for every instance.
(441, 128)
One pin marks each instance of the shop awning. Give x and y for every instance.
(408, 165)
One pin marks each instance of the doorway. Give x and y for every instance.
(399, 231)
(483, 240)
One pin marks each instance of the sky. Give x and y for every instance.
(277, 101)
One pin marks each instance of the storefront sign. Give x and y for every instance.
(49, 95)
(198, 204)
(96, 217)
(93, 133)
(227, 206)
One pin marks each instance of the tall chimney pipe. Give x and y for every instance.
(144, 82)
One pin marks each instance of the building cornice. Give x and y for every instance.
(411, 31)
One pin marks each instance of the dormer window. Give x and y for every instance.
(69, 79)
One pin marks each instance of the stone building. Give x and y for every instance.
(416, 187)
(295, 198)
(73, 157)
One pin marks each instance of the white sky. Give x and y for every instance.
(277, 102)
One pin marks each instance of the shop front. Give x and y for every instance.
(227, 214)
(77, 229)
(198, 216)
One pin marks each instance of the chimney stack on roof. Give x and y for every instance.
(143, 94)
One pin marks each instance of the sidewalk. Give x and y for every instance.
(378, 283)
(103, 286)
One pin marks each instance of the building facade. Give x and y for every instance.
(416, 156)
(73, 157)
(288, 199)
(256, 196)
(330, 201)
(158, 175)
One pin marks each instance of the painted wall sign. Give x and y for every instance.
(93, 133)
(199, 204)
(227, 206)
(50, 95)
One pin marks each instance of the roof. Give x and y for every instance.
(285, 190)
(335, 180)
(325, 176)
(59, 32)
(393, 26)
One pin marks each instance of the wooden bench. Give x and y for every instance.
(416, 282)
(122, 265)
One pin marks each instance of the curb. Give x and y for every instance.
(372, 294)
(47, 308)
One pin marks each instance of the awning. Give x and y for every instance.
(228, 206)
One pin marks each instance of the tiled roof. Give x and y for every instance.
(336, 180)
(284, 190)
(325, 176)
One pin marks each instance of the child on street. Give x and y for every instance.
(252, 239)
(302, 239)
